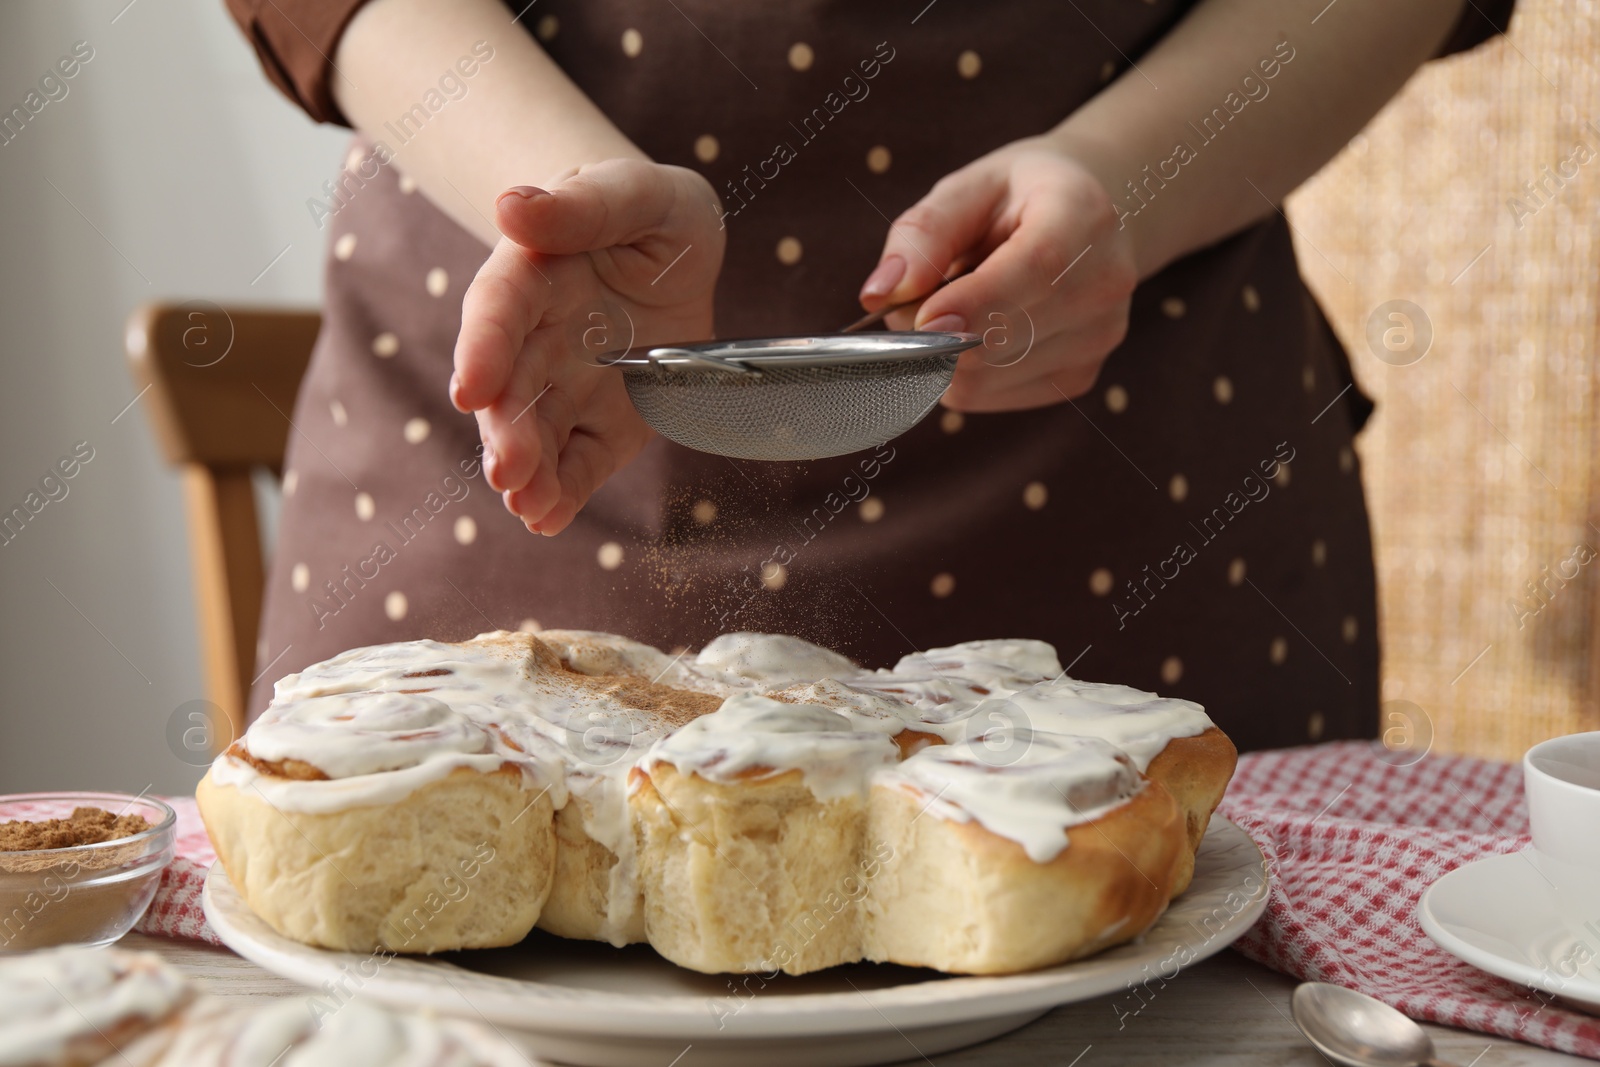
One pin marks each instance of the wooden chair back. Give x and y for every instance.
(219, 387)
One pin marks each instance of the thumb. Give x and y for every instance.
(925, 242)
(618, 202)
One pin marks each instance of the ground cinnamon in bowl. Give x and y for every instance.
(85, 826)
(78, 878)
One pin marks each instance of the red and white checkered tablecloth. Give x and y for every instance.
(176, 911)
(1352, 841)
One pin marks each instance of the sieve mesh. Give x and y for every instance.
(789, 412)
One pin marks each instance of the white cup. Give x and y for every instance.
(1562, 780)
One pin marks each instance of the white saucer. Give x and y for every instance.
(1499, 914)
(588, 1003)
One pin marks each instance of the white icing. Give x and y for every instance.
(386, 720)
(1141, 724)
(868, 712)
(934, 699)
(360, 1035)
(50, 998)
(751, 733)
(1010, 656)
(1029, 787)
(404, 665)
(381, 722)
(338, 794)
(592, 652)
(397, 730)
(772, 659)
(1003, 685)
(328, 1031)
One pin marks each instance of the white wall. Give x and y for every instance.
(190, 173)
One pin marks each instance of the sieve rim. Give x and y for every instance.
(799, 350)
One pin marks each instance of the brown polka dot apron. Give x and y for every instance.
(1195, 525)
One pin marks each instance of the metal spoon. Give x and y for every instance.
(1354, 1029)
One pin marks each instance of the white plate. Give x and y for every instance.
(588, 1003)
(1500, 915)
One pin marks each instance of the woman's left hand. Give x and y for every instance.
(1053, 283)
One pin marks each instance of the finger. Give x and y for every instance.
(1047, 275)
(1056, 368)
(904, 319)
(1015, 275)
(491, 462)
(586, 463)
(554, 429)
(531, 502)
(926, 240)
(510, 449)
(501, 308)
(618, 202)
(1059, 260)
(533, 416)
(608, 438)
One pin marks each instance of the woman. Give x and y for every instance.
(1148, 464)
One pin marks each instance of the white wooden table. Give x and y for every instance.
(1224, 1011)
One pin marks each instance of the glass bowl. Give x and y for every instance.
(83, 894)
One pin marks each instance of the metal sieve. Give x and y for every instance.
(791, 398)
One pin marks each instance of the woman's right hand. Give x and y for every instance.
(616, 253)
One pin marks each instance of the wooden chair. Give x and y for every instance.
(219, 387)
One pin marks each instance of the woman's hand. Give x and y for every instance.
(617, 253)
(1053, 269)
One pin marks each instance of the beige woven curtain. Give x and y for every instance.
(1475, 196)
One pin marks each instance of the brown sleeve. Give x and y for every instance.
(1479, 21)
(295, 41)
